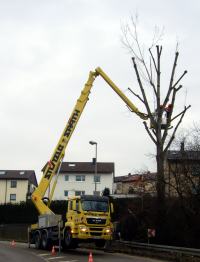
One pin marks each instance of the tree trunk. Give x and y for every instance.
(160, 186)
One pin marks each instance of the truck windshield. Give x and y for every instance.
(90, 205)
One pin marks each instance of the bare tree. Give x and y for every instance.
(148, 73)
(183, 164)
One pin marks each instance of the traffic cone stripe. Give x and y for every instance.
(13, 244)
(90, 258)
(53, 251)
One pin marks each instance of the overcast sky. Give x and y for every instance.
(47, 49)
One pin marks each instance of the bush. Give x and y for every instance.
(25, 212)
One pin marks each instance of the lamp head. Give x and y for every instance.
(93, 143)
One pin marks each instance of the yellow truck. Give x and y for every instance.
(88, 218)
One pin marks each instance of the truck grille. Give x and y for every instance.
(96, 221)
(95, 228)
(95, 233)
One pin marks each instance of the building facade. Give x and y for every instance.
(182, 172)
(16, 185)
(138, 184)
(77, 178)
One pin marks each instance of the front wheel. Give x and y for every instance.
(69, 242)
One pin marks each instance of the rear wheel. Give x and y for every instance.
(45, 243)
(37, 240)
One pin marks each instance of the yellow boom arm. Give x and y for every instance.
(53, 165)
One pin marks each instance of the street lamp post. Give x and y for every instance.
(95, 175)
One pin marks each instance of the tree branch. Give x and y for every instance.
(137, 52)
(186, 108)
(149, 133)
(159, 109)
(160, 52)
(171, 79)
(136, 95)
(150, 76)
(142, 90)
(154, 62)
(158, 77)
(175, 90)
(184, 73)
(175, 129)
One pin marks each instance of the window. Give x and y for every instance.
(13, 183)
(80, 178)
(66, 193)
(66, 178)
(92, 205)
(2, 172)
(97, 179)
(71, 165)
(79, 193)
(130, 190)
(12, 197)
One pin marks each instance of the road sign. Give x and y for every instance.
(151, 232)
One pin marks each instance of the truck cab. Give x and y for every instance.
(88, 219)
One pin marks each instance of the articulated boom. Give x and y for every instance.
(53, 165)
(56, 159)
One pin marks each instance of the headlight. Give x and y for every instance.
(108, 230)
(83, 229)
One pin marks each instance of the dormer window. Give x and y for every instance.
(71, 165)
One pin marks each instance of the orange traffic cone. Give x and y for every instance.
(90, 259)
(53, 251)
(13, 244)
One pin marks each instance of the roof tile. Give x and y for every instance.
(19, 175)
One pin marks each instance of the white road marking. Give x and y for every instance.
(43, 255)
(52, 258)
(68, 261)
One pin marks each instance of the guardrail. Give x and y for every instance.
(170, 253)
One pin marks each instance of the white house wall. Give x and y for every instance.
(6, 190)
(2, 191)
(88, 185)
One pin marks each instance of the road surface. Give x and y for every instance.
(21, 253)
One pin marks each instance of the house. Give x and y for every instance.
(135, 184)
(16, 185)
(182, 172)
(77, 178)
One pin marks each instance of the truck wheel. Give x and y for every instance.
(45, 241)
(37, 240)
(68, 239)
(100, 243)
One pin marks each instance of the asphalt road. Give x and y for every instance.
(21, 253)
